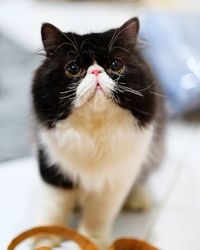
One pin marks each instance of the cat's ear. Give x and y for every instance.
(52, 37)
(130, 29)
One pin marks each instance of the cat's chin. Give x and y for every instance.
(97, 102)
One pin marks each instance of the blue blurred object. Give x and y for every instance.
(174, 53)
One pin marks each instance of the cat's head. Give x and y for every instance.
(91, 70)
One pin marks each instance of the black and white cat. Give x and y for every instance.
(99, 124)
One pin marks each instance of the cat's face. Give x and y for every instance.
(91, 70)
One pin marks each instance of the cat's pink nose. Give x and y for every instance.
(96, 72)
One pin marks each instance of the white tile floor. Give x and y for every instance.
(173, 223)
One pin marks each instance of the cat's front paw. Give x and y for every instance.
(138, 200)
(102, 241)
(45, 240)
(103, 244)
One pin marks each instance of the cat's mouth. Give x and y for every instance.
(98, 87)
(95, 90)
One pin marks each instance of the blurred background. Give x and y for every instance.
(170, 33)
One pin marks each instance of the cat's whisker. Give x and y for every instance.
(148, 87)
(60, 114)
(112, 39)
(67, 96)
(72, 98)
(73, 87)
(72, 42)
(85, 41)
(158, 94)
(116, 89)
(119, 76)
(67, 91)
(65, 44)
(119, 47)
(114, 97)
(76, 83)
(127, 89)
(142, 42)
(70, 89)
(37, 51)
(117, 35)
(140, 90)
(122, 83)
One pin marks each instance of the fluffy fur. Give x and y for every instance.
(98, 123)
(97, 148)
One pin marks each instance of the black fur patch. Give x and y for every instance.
(50, 174)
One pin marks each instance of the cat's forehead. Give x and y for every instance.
(100, 48)
(94, 43)
(91, 47)
(57, 43)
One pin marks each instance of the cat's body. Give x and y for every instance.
(99, 125)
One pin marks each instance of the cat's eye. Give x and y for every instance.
(72, 70)
(117, 66)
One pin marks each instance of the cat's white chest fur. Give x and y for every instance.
(97, 147)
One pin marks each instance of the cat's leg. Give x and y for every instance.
(57, 198)
(55, 205)
(100, 210)
(54, 208)
(139, 198)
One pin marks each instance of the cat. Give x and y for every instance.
(99, 124)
